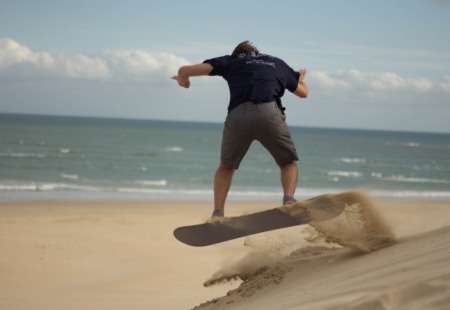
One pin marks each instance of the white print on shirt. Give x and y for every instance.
(260, 62)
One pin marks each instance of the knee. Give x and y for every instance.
(225, 166)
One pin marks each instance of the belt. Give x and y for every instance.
(253, 102)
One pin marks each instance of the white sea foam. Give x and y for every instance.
(152, 182)
(407, 144)
(401, 178)
(174, 149)
(405, 194)
(345, 173)
(352, 160)
(69, 176)
(23, 155)
(17, 191)
(411, 144)
(17, 187)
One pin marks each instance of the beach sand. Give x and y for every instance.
(122, 255)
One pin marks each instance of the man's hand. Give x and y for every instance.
(302, 88)
(302, 74)
(185, 72)
(183, 82)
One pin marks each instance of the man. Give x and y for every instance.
(256, 82)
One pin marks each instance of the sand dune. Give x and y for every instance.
(412, 274)
(116, 255)
(371, 270)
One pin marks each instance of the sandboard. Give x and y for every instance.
(318, 208)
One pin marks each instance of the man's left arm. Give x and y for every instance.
(302, 88)
(185, 72)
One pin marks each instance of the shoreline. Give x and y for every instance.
(180, 195)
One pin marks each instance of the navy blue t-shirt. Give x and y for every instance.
(255, 77)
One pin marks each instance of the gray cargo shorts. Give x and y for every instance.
(263, 122)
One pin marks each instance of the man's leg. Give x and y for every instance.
(289, 177)
(222, 184)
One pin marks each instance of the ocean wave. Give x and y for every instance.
(69, 176)
(410, 144)
(405, 194)
(23, 155)
(402, 178)
(75, 187)
(352, 160)
(174, 149)
(344, 174)
(152, 182)
(407, 144)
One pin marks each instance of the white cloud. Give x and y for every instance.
(18, 62)
(81, 66)
(370, 81)
(329, 80)
(12, 53)
(138, 63)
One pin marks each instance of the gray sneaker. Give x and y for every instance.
(288, 200)
(216, 216)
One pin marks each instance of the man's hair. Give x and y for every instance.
(245, 47)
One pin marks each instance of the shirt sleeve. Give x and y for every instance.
(219, 64)
(292, 79)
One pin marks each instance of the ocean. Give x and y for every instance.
(54, 157)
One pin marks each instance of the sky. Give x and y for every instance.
(381, 64)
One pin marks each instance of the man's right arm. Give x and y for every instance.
(185, 72)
